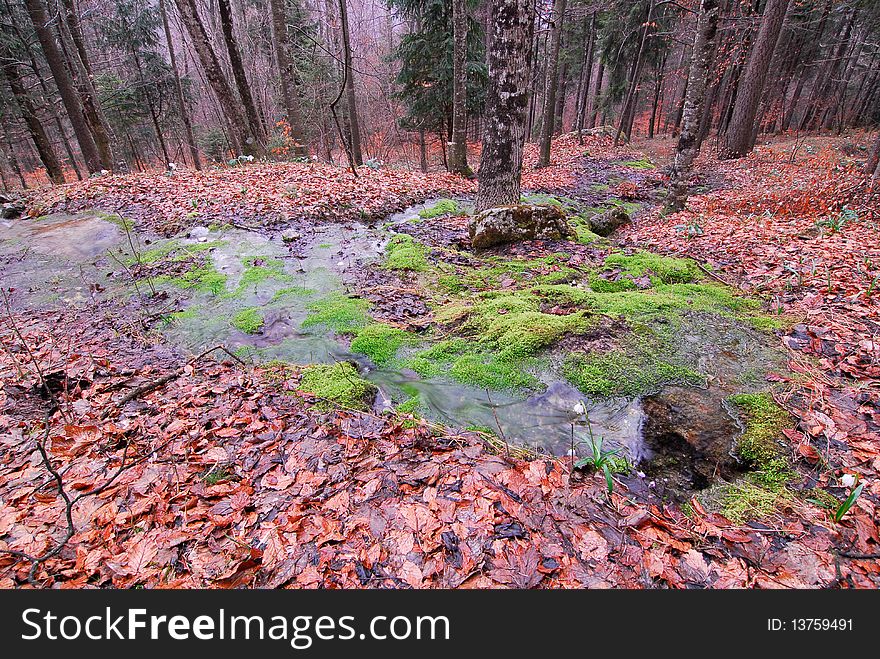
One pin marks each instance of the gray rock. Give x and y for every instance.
(515, 223)
(610, 221)
(197, 233)
(12, 210)
(289, 236)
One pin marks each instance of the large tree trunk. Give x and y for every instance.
(458, 163)
(32, 122)
(354, 126)
(738, 137)
(255, 122)
(507, 99)
(549, 111)
(214, 74)
(287, 77)
(64, 82)
(688, 143)
(178, 90)
(873, 163)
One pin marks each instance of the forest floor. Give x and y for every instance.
(167, 467)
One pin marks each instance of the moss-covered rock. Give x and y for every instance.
(337, 385)
(339, 313)
(380, 342)
(515, 223)
(403, 252)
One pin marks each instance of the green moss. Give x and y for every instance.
(666, 269)
(641, 163)
(205, 279)
(621, 374)
(380, 342)
(338, 312)
(442, 207)
(411, 405)
(742, 501)
(174, 249)
(599, 187)
(337, 384)
(404, 253)
(549, 269)
(258, 269)
(123, 223)
(177, 316)
(451, 283)
(822, 498)
(465, 362)
(291, 291)
(764, 421)
(249, 320)
(157, 253)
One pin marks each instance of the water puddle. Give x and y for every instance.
(682, 431)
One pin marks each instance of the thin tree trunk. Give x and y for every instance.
(350, 97)
(239, 124)
(178, 90)
(629, 106)
(738, 137)
(873, 158)
(64, 83)
(286, 77)
(255, 123)
(507, 100)
(688, 144)
(458, 163)
(586, 76)
(548, 113)
(32, 122)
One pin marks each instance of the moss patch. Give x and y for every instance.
(206, 279)
(442, 207)
(337, 384)
(764, 421)
(665, 269)
(291, 291)
(258, 269)
(641, 163)
(620, 374)
(405, 253)
(249, 320)
(338, 312)
(467, 363)
(380, 342)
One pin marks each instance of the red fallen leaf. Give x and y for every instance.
(735, 535)
(809, 453)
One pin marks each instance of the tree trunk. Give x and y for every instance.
(216, 78)
(688, 144)
(354, 126)
(11, 158)
(507, 100)
(874, 158)
(64, 83)
(287, 77)
(458, 163)
(255, 123)
(178, 90)
(548, 113)
(586, 75)
(561, 93)
(32, 122)
(594, 98)
(738, 137)
(629, 106)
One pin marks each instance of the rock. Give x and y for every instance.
(12, 210)
(602, 131)
(518, 222)
(199, 233)
(289, 236)
(610, 221)
(690, 428)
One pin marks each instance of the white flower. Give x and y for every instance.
(579, 408)
(640, 474)
(172, 166)
(848, 480)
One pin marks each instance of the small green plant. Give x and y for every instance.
(599, 460)
(848, 503)
(692, 229)
(217, 474)
(249, 320)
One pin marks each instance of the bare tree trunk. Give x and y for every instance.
(423, 152)
(507, 100)
(11, 158)
(178, 90)
(629, 105)
(458, 163)
(688, 144)
(257, 128)
(873, 158)
(287, 77)
(548, 113)
(586, 75)
(738, 137)
(354, 126)
(597, 90)
(32, 122)
(64, 82)
(216, 78)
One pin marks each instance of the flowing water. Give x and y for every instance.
(72, 258)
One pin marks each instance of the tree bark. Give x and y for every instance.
(286, 76)
(871, 166)
(354, 126)
(178, 90)
(507, 99)
(216, 78)
(688, 143)
(64, 83)
(458, 163)
(586, 76)
(31, 120)
(255, 122)
(738, 137)
(549, 111)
